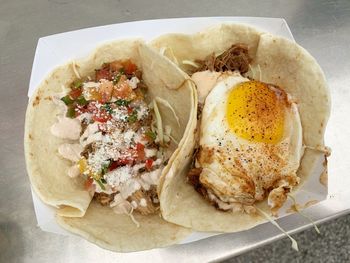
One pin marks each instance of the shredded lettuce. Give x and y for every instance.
(129, 213)
(168, 52)
(252, 70)
(260, 73)
(304, 215)
(158, 122)
(191, 63)
(294, 242)
(162, 50)
(76, 72)
(168, 105)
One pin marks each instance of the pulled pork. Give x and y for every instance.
(235, 58)
(103, 198)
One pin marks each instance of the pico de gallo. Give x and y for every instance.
(116, 143)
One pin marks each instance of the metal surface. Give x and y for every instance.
(322, 27)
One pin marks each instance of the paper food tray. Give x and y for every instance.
(55, 50)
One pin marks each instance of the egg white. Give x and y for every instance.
(237, 172)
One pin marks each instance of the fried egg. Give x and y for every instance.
(250, 143)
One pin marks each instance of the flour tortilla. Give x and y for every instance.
(76, 211)
(283, 63)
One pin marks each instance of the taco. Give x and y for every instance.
(100, 134)
(263, 108)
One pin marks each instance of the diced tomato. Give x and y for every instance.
(101, 116)
(113, 166)
(91, 108)
(103, 74)
(106, 89)
(125, 161)
(88, 183)
(120, 162)
(129, 67)
(149, 163)
(75, 93)
(122, 90)
(80, 109)
(130, 110)
(140, 150)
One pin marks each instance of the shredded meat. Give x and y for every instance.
(87, 150)
(103, 198)
(150, 208)
(193, 177)
(199, 110)
(235, 58)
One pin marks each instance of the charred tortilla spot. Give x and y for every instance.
(36, 101)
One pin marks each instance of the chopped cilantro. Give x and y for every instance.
(71, 112)
(107, 107)
(116, 78)
(105, 168)
(100, 184)
(150, 134)
(133, 117)
(67, 100)
(82, 101)
(77, 84)
(122, 102)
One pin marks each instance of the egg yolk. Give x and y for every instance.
(255, 111)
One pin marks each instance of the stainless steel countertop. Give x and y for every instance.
(322, 27)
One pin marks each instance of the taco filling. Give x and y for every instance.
(250, 143)
(118, 141)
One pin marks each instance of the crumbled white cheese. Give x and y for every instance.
(129, 187)
(157, 162)
(140, 138)
(128, 136)
(120, 114)
(138, 166)
(151, 178)
(150, 152)
(97, 160)
(119, 176)
(145, 185)
(133, 82)
(142, 112)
